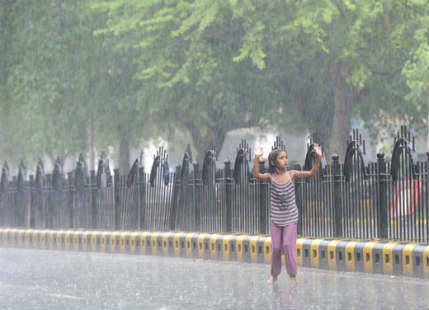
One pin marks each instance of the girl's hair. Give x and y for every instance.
(272, 160)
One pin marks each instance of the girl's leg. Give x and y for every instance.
(276, 243)
(289, 244)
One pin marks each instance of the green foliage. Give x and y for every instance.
(59, 79)
(135, 69)
(219, 65)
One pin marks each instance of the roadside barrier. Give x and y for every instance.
(409, 259)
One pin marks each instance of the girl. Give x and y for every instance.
(284, 212)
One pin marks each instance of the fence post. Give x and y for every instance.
(298, 193)
(3, 196)
(31, 210)
(94, 189)
(263, 202)
(138, 198)
(196, 186)
(338, 208)
(382, 196)
(426, 199)
(49, 211)
(116, 179)
(228, 188)
(142, 194)
(19, 211)
(175, 198)
(12, 208)
(70, 198)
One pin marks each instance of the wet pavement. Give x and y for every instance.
(41, 279)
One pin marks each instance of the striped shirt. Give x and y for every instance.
(283, 203)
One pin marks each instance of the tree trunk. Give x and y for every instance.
(124, 155)
(91, 144)
(427, 124)
(214, 138)
(343, 107)
(427, 137)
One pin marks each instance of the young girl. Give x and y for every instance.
(284, 212)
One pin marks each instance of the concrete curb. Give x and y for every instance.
(409, 259)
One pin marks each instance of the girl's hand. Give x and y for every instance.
(317, 150)
(259, 151)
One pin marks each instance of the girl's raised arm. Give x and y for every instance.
(305, 174)
(258, 153)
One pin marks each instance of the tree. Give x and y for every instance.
(47, 80)
(360, 41)
(64, 90)
(85, 73)
(207, 59)
(416, 69)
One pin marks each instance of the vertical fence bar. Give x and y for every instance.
(175, 198)
(411, 208)
(152, 200)
(263, 206)
(201, 202)
(330, 182)
(304, 209)
(371, 199)
(228, 188)
(139, 210)
(69, 191)
(391, 221)
(355, 200)
(31, 205)
(49, 212)
(338, 208)
(421, 201)
(19, 203)
(426, 214)
(117, 204)
(298, 192)
(311, 207)
(141, 183)
(374, 212)
(94, 190)
(405, 195)
(400, 182)
(157, 197)
(382, 195)
(359, 194)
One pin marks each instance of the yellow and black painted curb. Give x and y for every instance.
(410, 259)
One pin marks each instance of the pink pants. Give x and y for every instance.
(283, 238)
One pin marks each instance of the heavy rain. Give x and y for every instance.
(122, 119)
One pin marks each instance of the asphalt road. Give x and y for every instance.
(42, 279)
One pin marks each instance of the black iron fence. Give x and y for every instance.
(354, 200)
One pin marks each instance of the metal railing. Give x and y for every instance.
(354, 200)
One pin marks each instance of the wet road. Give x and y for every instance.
(41, 279)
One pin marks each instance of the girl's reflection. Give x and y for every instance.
(285, 298)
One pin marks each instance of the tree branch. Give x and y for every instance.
(216, 41)
(387, 73)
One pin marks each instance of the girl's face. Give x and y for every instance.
(282, 160)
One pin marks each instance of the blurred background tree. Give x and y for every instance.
(85, 76)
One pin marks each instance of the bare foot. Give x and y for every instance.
(292, 281)
(272, 281)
